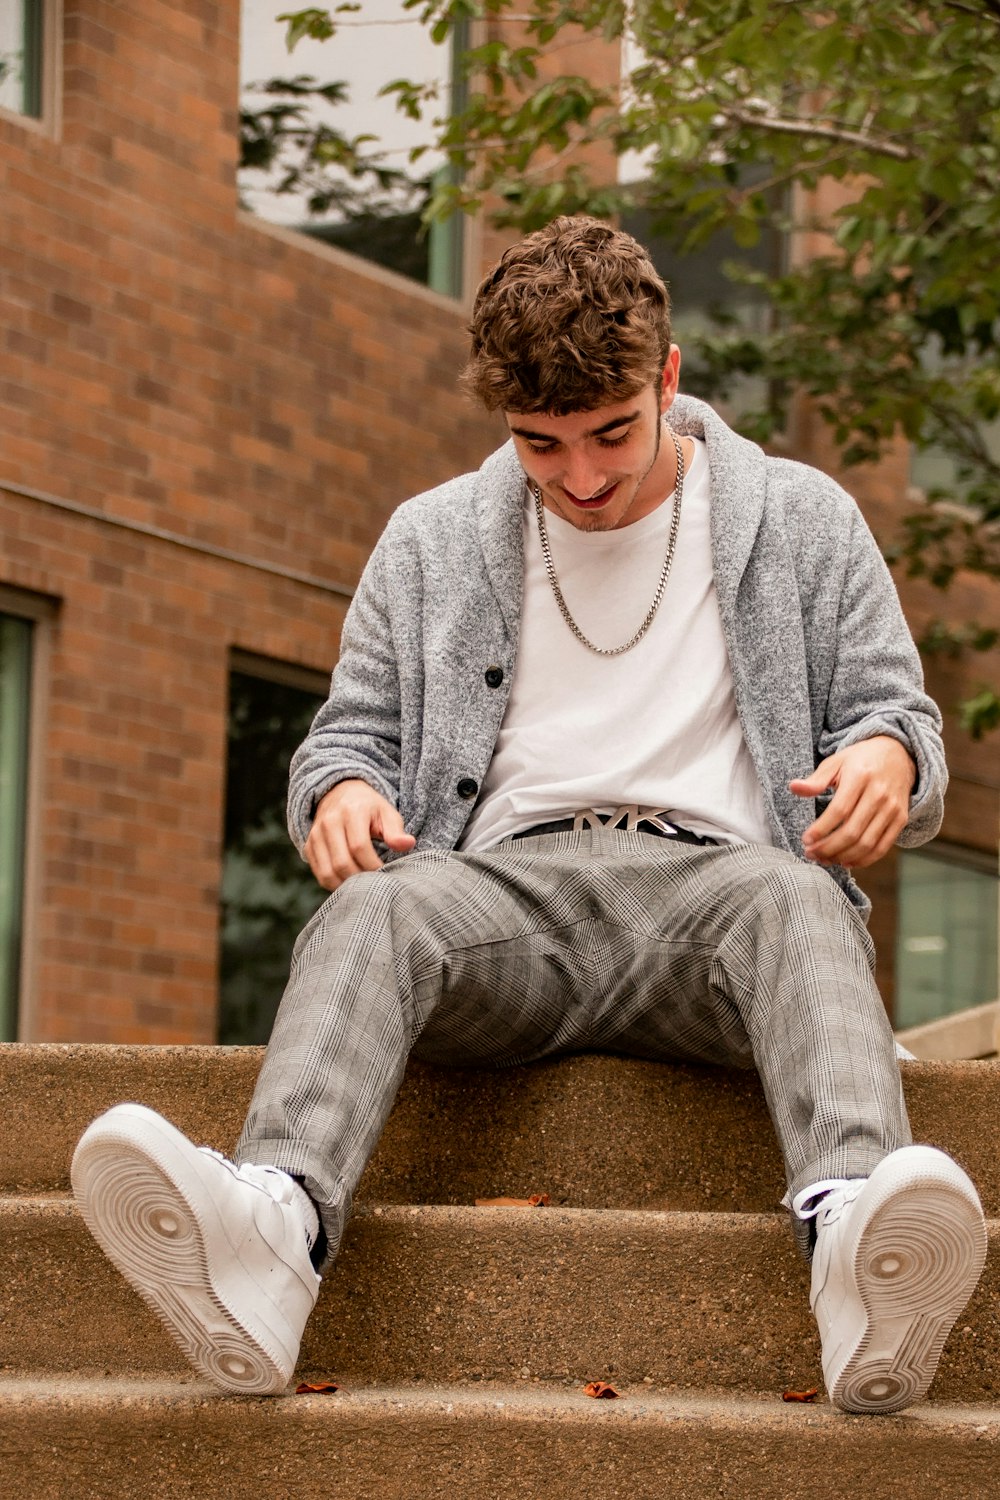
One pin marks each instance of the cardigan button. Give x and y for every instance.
(494, 676)
(467, 788)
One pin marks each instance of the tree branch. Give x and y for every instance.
(991, 13)
(812, 130)
(967, 437)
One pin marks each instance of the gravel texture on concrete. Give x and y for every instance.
(461, 1337)
(105, 1440)
(472, 1294)
(592, 1131)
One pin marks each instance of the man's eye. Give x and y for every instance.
(541, 447)
(609, 442)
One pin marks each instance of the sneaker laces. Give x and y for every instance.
(277, 1184)
(826, 1201)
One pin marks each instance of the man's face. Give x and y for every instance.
(604, 468)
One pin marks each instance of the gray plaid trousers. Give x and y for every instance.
(598, 940)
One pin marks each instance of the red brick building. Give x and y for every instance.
(205, 424)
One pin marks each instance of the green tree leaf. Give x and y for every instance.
(893, 327)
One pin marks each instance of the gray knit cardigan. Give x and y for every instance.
(821, 656)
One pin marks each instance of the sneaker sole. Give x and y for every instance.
(916, 1265)
(157, 1235)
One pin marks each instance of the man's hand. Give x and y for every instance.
(872, 781)
(347, 819)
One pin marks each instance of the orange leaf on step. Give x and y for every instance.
(600, 1390)
(325, 1388)
(800, 1395)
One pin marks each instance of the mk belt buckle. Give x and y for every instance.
(627, 817)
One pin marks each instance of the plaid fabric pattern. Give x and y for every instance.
(596, 940)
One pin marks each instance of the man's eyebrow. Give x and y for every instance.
(547, 437)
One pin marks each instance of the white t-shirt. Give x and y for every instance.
(655, 726)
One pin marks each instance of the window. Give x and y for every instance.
(268, 892)
(705, 298)
(15, 712)
(22, 43)
(937, 468)
(374, 214)
(946, 958)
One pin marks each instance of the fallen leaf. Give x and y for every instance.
(537, 1200)
(800, 1395)
(600, 1390)
(325, 1388)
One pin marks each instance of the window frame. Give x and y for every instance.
(284, 674)
(453, 248)
(275, 669)
(40, 611)
(960, 857)
(46, 44)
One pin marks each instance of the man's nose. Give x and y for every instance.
(585, 476)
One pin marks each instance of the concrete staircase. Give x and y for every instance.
(461, 1337)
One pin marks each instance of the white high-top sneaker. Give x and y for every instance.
(220, 1253)
(897, 1257)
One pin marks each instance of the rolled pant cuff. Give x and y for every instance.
(855, 1160)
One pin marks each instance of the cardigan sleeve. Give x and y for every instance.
(877, 683)
(356, 733)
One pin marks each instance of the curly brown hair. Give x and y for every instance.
(573, 317)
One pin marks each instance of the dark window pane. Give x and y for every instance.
(706, 299)
(15, 692)
(698, 279)
(268, 893)
(393, 241)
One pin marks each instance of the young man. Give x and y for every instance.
(613, 721)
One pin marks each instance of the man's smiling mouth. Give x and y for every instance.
(595, 500)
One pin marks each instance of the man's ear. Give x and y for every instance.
(671, 378)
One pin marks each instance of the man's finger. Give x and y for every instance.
(321, 861)
(862, 840)
(831, 844)
(843, 804)
(329, 856)
(353, 845)
(861, 860)
(819, 781)
(389, 828)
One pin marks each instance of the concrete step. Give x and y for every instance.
(463, 1294)
(599, 1132)
(105, 1440)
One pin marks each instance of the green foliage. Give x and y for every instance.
(982, 713)
(940, 638)
(318, 25)
(892, 322)
(300, 154)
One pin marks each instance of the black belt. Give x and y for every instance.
(565, 825)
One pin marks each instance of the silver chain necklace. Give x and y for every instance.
(550, 567)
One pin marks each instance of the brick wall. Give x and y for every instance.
(174, 366)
